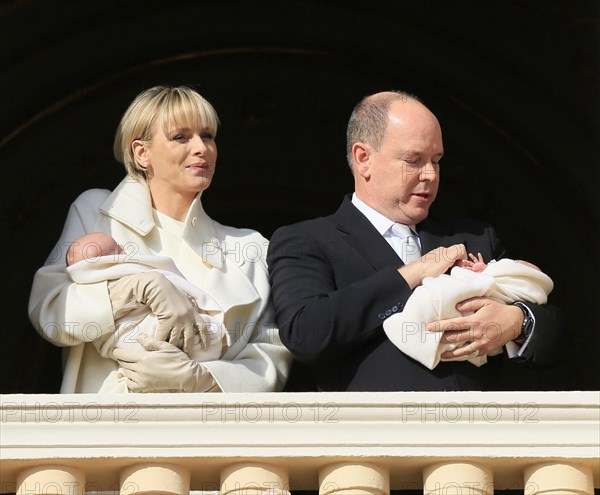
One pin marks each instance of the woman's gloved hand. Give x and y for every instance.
(162, 367)
(177, 322)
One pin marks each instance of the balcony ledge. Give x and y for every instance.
(404, 431)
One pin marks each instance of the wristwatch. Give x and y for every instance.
(527, 326)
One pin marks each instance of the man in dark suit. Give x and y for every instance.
(336, 279)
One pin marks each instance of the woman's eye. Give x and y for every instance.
(179, 137)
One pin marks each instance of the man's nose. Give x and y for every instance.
(429, 172)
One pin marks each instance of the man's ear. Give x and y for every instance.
(361, 153)
(139, 152)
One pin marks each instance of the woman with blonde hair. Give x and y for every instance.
(166, 140)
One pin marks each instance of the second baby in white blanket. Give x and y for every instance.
(506, 281)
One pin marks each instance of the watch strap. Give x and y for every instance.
(528, 323)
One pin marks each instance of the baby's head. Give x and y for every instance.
(91, 246)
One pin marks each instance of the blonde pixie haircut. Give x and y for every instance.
(180, 107)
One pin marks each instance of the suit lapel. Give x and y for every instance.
(428, 237)
(360, 234)
(434, 233)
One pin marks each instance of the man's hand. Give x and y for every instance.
(176, 314)
(432, 264)
(162, 367)
(491, 325)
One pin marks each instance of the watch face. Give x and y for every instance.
(527, 326)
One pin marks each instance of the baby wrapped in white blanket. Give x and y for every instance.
(505, 281)
(209, 315)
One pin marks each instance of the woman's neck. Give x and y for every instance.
(172, 204)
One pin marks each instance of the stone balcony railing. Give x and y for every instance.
(337, 443)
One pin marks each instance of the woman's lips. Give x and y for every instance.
(199, 166)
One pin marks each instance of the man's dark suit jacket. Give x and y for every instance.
(335, 280)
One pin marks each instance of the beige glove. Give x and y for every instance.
(162, 367)
(177, 322)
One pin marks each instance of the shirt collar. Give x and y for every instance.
(382, 223)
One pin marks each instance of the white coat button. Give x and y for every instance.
(194, 221)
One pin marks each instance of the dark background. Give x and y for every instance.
(514, 84)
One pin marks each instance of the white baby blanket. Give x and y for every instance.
(505, 280)
(127, 329)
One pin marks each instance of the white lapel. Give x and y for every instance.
(130, 204)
